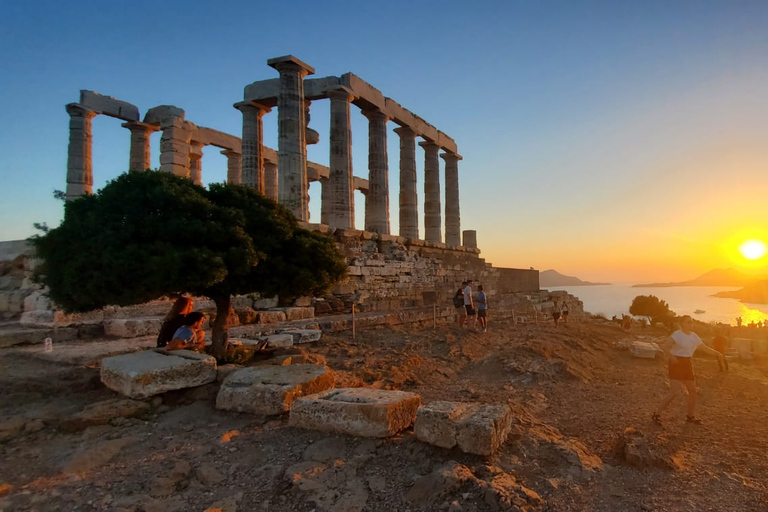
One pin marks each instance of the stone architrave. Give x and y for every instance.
(474, 428)
(377, 200)
(452, 208)
(338, 208)
(79, 160)
(140, 153)
(151, 372)
(252, 174)
(196, 163)
(432, 216)
(409, 196)
(292, 188)
(272, 389)
(234, 167)
(356, 411)
(270, 180)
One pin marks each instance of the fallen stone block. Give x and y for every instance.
(151, 372)
(272, 389)
(299, 313)
(271, 317)
(304, 335)
(279, 340)
(356, 411)
(132, 327)
(475, 428)
(644, 350)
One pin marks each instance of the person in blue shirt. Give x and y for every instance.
(190, 335)
(482, 309)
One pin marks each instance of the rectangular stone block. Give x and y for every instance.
(474, 428)
(132, 327)
(279, 340)
(151, 372)
(299, 313)
(271, 317)
(304, 335)
(109, 106)
(356, 411)
(644, 349)
(272, 389)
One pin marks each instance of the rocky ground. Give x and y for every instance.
(582, 439)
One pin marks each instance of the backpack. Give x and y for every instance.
(458, 299)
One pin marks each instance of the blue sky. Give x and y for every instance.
(615, 141)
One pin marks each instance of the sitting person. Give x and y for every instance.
(173, 320)
(190, 335)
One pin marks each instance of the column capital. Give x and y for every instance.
(451, 157)
(340, 93)
(230, 153)
(428, 144)
(252, 106)
(139, 126)
(77, 110)
(375, 115)
(291, 63)
(405, 131)
(195, 149)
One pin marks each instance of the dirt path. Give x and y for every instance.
(573, 394)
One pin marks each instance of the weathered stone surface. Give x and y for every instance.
(132, 327)
(222, 372)
(152, 372)
(634, 448)
(272, 389)
(109, 106)
(304, 335)
(101, 412)
(644, 350)
(271, 317)
(13, 337)
(475, 428)
(299, 313)
(279, 340)
(356, 411)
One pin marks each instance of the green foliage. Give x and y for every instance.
(150, 234)
(650, 306)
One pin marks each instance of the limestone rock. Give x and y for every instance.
(356, 411)
(271, 317)
(132, 327)
(279, 340)
(636, 449)
(102, 412)
(644, 349)
(151, 372)
(475, 428)
(304, 335)
(94, 455)
(272, 389)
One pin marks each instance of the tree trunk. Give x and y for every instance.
(220, 326)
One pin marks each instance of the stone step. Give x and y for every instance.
(25, 336)
(356, 411)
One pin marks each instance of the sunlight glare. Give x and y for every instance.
(753, 249)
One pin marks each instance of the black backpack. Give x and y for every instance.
(458, 299)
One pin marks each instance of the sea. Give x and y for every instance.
(697, 301)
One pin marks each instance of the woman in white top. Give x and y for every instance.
(679, 352)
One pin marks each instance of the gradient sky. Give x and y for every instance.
(615, 141)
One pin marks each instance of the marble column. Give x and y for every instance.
(377, 200)
(252, 174)
(339, 192)
(409, 196)
(452, 208)
(270, 180)
(196, 163)
(292, 190)
(79, 161)
(432, 217)
(234, 167)
(140, 153)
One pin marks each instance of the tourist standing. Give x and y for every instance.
(468, 305)
(556, 314)
(482, 308)
(458, 304)
(190, 335)
(564, 312)
(173, 320)
(720, 343)
(680, 348)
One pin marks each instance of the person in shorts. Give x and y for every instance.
(458, 304)
(482, 309)
(469, 305)
(683, 343)
(564, 313)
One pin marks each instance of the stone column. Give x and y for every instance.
(409, 196)
(339, 193)
(432, 217)
(377, 200)
(174, 147)
(470, 239)
(312, 137)
(292, 190)
(196, 163)
(270, 180)
(252, 174)
(140, 153)
(234, 167)
(79, 161)
(452, 209)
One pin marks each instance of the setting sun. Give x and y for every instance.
(753, 249)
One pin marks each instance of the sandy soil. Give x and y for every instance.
(573, 392)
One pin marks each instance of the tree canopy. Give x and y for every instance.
(650, 306)
(150, 234)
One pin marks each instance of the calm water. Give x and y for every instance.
(615, 299)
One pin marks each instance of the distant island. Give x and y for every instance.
(554, 278)
(717, 277)
(755, 293)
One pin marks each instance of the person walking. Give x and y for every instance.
(482, 309)
(679, 349)
(564, 313)
(556, 314)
